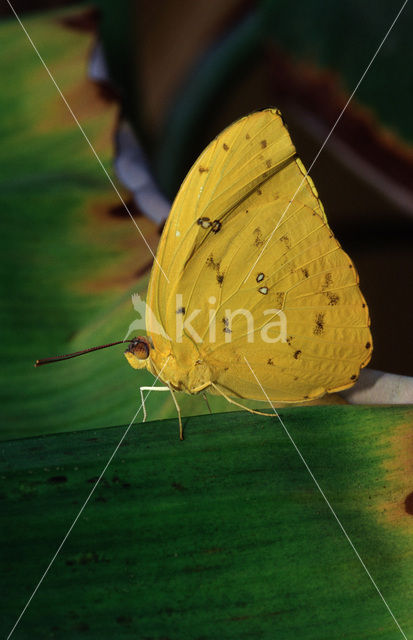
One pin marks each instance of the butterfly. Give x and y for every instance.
(245, 253)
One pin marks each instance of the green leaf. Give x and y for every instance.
(70, 258)
(224, 535)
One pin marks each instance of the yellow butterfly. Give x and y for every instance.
(248, 274)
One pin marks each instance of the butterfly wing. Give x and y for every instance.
(237, 161)
(266, 255)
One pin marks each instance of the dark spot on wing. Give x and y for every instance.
(319, 324)
(204, 222)
(259, 192)
(210, 262)
(286, 241)
(289, 340)
(247, 136)
(225, 146)
(263, 143)
(353, 377)
(181, 310)
(350, 266)
(216, 226)
(203, 169)
(279, 298)
(368, 345)
(226, 328)
(297, 354)
(269, 361)
(364, 305)
(305, 272)
(333, 298)
(258, 237)
(268, 163)
(328, 280)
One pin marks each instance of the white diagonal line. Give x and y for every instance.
(83, 506)
(326, 500)
(327, 138)
(85, 135)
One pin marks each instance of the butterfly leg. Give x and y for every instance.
(201, 388)
(238, 404)
(181, 433)
(207, 403)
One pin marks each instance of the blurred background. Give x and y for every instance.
(174, 74)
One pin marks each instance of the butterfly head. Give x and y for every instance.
(138, 352)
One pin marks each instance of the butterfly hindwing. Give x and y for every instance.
(304, 273)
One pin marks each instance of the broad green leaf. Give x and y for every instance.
(224, 535)
(70, 256)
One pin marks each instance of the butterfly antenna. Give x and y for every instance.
(77, 353)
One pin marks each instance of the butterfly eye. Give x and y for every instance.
(140, 348)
